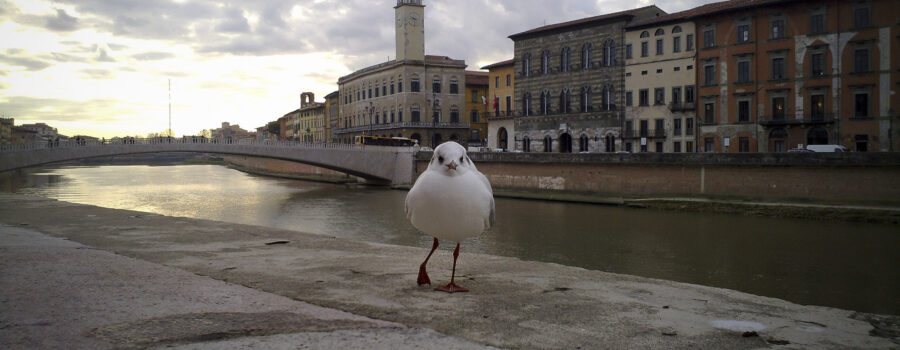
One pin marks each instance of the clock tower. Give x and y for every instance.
(410, 24)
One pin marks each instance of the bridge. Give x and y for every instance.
(379, 165)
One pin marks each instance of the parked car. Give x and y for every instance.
(826, 148)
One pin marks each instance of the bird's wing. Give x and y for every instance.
(489, 221)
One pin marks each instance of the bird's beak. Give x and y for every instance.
(452, 165)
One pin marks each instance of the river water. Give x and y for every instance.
(846, 265)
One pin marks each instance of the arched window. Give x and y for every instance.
(526, 64)
(659, 32)
(610, 143)
(583, 143)
(526, 104)
(609, 53)
(565, 143)
(609, 98)
(548, 144)
(586, 52)
(564, 101)
(586, 99)
(777, 139)
(526, 144)
(545, 62)
(645, 34)
(676, 29)
(564, 60)
(545, 102)
(502, 139)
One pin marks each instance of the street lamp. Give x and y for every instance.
(371, 109)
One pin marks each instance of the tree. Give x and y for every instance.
(274, 127)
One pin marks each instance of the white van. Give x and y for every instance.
(826, 148)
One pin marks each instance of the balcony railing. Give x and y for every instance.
(681, 106)
(821, 119)
(403, 125)
(648, 133)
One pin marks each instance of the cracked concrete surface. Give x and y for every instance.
(512, 303)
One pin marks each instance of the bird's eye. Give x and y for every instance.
(440, 159)
(460, 160)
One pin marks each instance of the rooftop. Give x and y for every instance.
(476, 78)
(708, 9)
(589, 20)
(509, 62)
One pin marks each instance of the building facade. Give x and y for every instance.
(332, 115)
(501, 93)
(660, 86)
(415, 95)
(476, 107)
(44, 132)
(569, 83)
(6, 126)
(311, 115)
(777, 74)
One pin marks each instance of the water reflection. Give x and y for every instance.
(846, 265)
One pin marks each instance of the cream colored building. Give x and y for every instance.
(660, 86)
(415, 96)
(311, 119)
(501, 93)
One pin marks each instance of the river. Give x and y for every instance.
(852, 266)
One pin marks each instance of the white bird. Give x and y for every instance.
(451, 200)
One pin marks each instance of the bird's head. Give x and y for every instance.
(450, 158)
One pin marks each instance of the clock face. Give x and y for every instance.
(413, 20)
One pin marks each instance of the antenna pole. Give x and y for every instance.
(169, 131)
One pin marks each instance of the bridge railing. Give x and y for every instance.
(76, 143)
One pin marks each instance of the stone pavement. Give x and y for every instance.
(137, 280)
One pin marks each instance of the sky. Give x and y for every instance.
(103, 67)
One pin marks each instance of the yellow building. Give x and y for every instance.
(476, 106)
(311, 123)
(502, 86)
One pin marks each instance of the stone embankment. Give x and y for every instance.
(80, 276)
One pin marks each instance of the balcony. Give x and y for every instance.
(821, 119)
(646, 133)
(404, 125)
(501, 115)
(687, 106)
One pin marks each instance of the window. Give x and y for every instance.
(645, 34)
(644, 49)
(743, 33)
(609, 96)
(526, 104)
(583, 143)
(709, 38)
(545, 62)
(658, 71)
(628, 51)
(643, 97)
(497, 82)
(474, 95)
(392, 88)
(709, 144)
(676, 69)
(370, 92)
(861, 17)
(400, 86)
(436, 86)
(629, 98)
(676, 126)
(436, 115)
(861, 105)
(777, 28)
(709, 113)
(817, 108)
(861, 60)
(743, 72)
(660, 127)
(384, 89)
(861, 142)
(526, 144)
(376, 91)
(609, 53)
(743, 111)
(778, 68)
(659, 96)
(415, 114)
(454, 115)
(508, 104)
(454, 87)
(548, 144)
(709, 74)
(586, 99)
(676, 147)
(393, 116)
(564, 101)
(564, 60)
(413, 85)
(508, 80)
(586, 51)
(628, 147)
(689, 130)
(743, 144)
(817, 64)
(545, 102)
(817, 23)
(526, 65)
(645, 128)
(676, 44)
(659, 147)
(689, 42)
(659, 46)
(676, 95)
(659, 32)
(689, 94)
(778, 108)
(676, 29)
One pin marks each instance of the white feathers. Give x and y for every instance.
(451, 200)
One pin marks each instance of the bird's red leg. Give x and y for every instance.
(423, 276)
(452, 287)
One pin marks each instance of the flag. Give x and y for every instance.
(484, 100)
(496, 102)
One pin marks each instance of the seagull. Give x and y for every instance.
(451, 200)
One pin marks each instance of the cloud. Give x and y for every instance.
(98, 74)
(17, 58)
(152, 56)
(62, 22)
(103, 55)
(64, 110)
(63, 57)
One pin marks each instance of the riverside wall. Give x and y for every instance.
(286, 169)
(837, 177)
